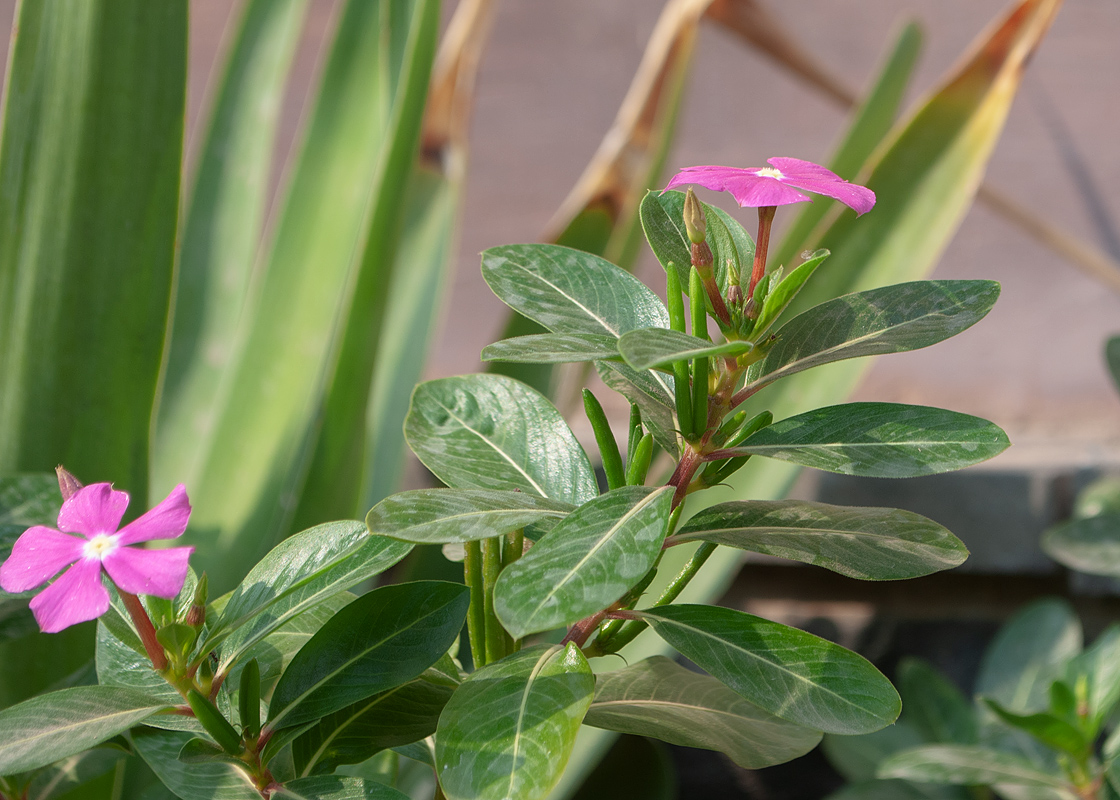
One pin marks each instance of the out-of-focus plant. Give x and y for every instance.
(1042, 725)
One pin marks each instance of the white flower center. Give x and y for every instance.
(100, 546)
(769, 172)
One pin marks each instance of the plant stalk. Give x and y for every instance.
(476, 613)
(145, 629)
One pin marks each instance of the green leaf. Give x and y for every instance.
(440, 516)
(53, 726)
(335, 787)
(57, 780)
(299, 371)
(653, 393)
(1100, 666)
(216, 780)
(966, 765)
(1028, 653)
(379, 641)
(1090, 545)
(779, 297)
(26, 500)
(398, 716)
(865, 543)
(793, 674)
(1049, 729)
(570, 291)
(658, 347)
(553, 348)
(221, 231)
(509, 728)
(893, 319)
(870, 123)
(898, 790)
(1112, 359)
(858, 757)
(877, 440)
(662, 699)
(89, 171)
(203, 751)
(586, 562)
(297, 574)
(492, 432)
(634, 768)
(935, 706)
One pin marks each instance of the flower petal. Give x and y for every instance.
(167, 520)
(75, 597)
(37, 556)
(749, 189)
(815, 178)
(158, 572)
(93, 509)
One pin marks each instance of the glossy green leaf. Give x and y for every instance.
(871, 122)
(966, 765)
(398, 716)
(89, 167)
(335, 787)
(570, 291)
(1090, 545)
(553, 348)
(381, 640)
(297, 574)
(1099, 664)
(59, 724)
(295, 359)
(509, 728)
(933, 705)
(793, 674)
(222, 230)
(440, 516)
(662, 699)
(492, 432)
(653, 393)
(1028, 653)
(1052, 731)
(589, 560)
(780, 296)
(893, 319)
(658, 347)
(1100, 496)
(216, 780)
(865, 543)
(878, 440)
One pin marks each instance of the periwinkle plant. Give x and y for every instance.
(279, 685)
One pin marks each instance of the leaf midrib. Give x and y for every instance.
(537, 669)
(11, 746)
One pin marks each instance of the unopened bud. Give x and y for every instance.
(196, 613)
(67, 483)
(734, 295)
(694, 222)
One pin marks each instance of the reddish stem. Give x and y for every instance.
(761, 245)
(146, 630)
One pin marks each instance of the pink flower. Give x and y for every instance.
(78, 595)
(778, 184)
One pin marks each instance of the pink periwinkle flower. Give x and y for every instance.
(94, 512)
(778, 184)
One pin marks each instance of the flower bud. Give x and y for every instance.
(694, 222)
(67, 483)
(196, 613)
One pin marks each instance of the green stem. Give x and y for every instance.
(496, 636)
(476, 614)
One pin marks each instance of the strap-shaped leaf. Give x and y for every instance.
(892, 319)
(967, 765)
(399, 716)
(50, 727)
(553, 348)
(779, 297)
(659, 347)
(1050, 729)
(297, 574)
(586, 562)
(383, 639)
(510, 727)
(877, 440)
(659, 698)
(866, 543)
(443, 516)
(570, 291)
(492, 432)
(793, 674)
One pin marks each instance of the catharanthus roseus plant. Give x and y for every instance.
(273, 689)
